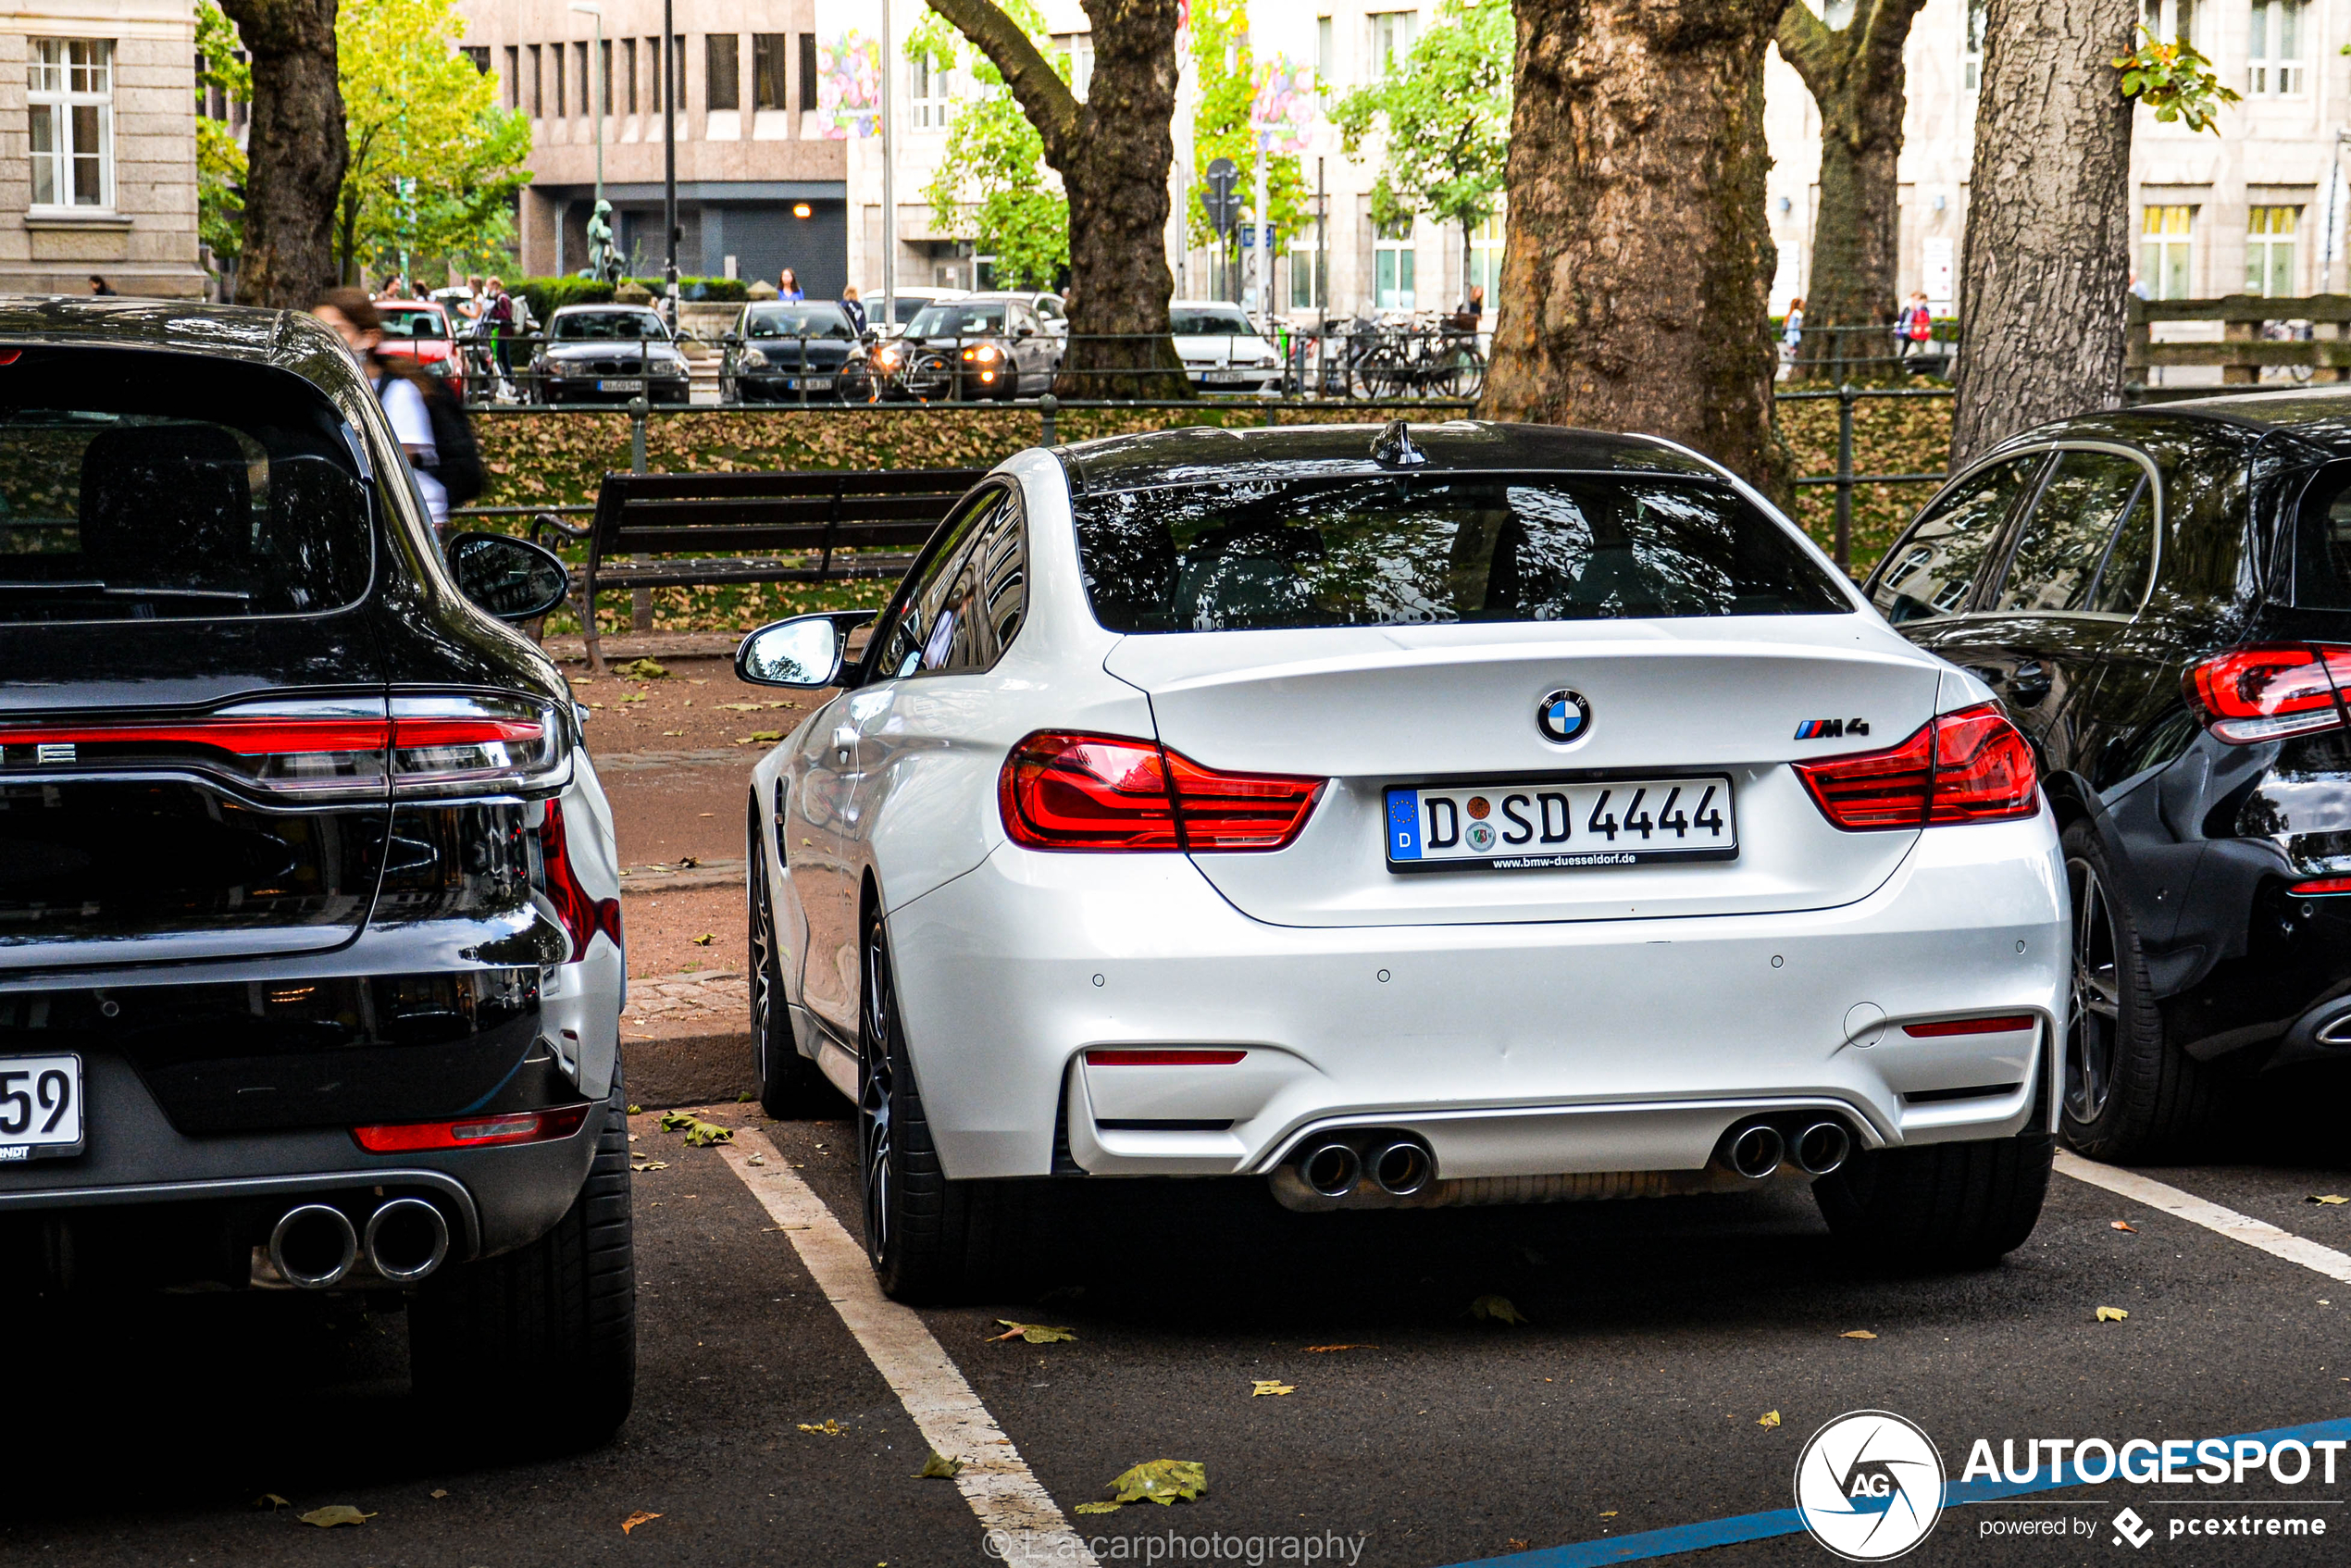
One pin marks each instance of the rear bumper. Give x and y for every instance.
(1515, 1050)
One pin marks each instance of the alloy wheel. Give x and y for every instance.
(875, 1093)
(2095, 1019)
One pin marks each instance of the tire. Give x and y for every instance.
(1944, 1206)
(2129, 1096)
(791, 1088)
(929, 1238)
(557, 1317)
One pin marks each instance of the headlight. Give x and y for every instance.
(754, 360)
(984, 354)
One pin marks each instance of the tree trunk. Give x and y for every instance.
(2047, 265)
(1855, 75)
(1114, 152)
(1637, 269)
(295, 157)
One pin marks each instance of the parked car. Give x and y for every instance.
(1222, 348)
(904, 306)
(1053, 311)
(420, 331)
(2161, 599)
(1465, 814)
(609, 354)
(310, 945)
(778, 352)
(978, 347)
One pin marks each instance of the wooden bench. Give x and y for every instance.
(755, 528)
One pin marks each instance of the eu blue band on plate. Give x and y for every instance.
(1404, 825)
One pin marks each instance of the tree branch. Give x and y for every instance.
(1043, 96)
(1884, 33)
(1808, 44)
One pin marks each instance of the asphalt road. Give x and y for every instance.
(1658, 1334)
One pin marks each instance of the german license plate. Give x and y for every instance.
(1546, 825)
(1227, 378)
(40, 1107)
(813, 383)
(624, 383)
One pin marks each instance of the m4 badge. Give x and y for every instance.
(1831, 728)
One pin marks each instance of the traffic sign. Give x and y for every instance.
(1220, 197)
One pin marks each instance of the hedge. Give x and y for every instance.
(545, 296)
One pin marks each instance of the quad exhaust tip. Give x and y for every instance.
(1756, 1152)
(1331, 1169)
(406, 1240)
(1821, 1147)
(1402, 1168)
(314, 1246)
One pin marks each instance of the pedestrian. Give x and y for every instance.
(788, 287)
(428, 423)
(470, 308)
(1473, 302)
(101, 288)
(1915, 324)
(1792, 328)
(854, 308)
(498, 320)
(2139, 287)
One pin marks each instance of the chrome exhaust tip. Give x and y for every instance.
(407, 1239)
(1402, 1168)
(1756, 1152)
(312, 1246)
(1331, 1169)
(1821, 1147)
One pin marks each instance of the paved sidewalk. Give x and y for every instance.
(686, 1037)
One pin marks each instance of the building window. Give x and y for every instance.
(514, 76)
(807, 71)
(479, 55)
(629, 73)
(555, 69)
(1971, 47)
(2168, 20)
(931, 91)
(1486, 261)
(2164, 235)
(652, 73)
(1077, 50)
(579, 74)
(767, 70)
(1392, 265)
(70, 102)
(1325, 52)
(2269, 252)
(1309, 276)
(603, 76)
(1392, 33)
(2275, 48)
(722, 60)
(537, 84)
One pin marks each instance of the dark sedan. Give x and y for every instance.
(609, 354)
(978, 347)
(2162, 598)
(780, 353)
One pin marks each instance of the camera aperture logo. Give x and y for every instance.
(1869, 1485)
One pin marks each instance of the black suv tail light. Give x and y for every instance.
(2271, 692)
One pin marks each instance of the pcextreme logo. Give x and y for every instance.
(1869, 1485)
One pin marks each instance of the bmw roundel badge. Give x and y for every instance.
(1563, 717)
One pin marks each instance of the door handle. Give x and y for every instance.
(844, 741)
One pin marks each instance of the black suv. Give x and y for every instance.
(2163, 599)
(310, 946)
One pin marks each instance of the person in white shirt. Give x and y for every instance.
(353, 316)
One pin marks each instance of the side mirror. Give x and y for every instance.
(734, 337)
(511, 579)
(806, 651)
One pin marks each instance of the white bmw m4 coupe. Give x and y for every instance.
(1465, 814)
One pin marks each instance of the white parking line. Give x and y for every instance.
(2211, 1216)
(1027, 1526)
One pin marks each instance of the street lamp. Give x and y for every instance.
(596, 70)
(673, 79)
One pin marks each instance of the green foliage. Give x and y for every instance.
(2175, 82)
(220, 163)
(546, 295)
(1227, 74)
(991, 186)
(1444, 115)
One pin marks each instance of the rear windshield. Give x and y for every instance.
(1189, 321)
(607, 325)
(1408, 551)
(411, 322)
(157, 486)
(946, 320)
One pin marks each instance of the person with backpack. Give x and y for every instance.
(431, 426)
(1915, 325)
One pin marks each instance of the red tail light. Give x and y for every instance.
(1966, 767)
(2268, 693)
(2007, 1023)
(1111, 792)
(1123, 1057)
(474, 1132)
(582, 916)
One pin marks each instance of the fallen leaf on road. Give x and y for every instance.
(1032, 1333)
(756, 1160)
(1495, 1309)
(1769, 1418)
(334, 1513)
(704, 939)
(1514, 1544)
(2123, 1225)
(639, 1517)
(636, 1109)
(699, 1133)
(1098, 1508)
(2111, 1314)
(1162, 1481)
(634, 697)
(939, 1467)
(651, 1165)
(1326, 1350)
(1607, 1513)
(640, 670)
(1271, 1385)
(757, 735)
(2325, 1197)
(687, 863)
(828, 1428)
(740, 707)
(440, 1491)
(1857, 1334)
(268, 1501)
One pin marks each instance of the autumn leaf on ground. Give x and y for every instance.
(634, 697)
(2111, 1314)
(1032, 1333)
(651, 1165)
(757, 735)
(440, 1491)
(1326, 1350)
(1162, 1481)
(1769, 1418)
(2325, 1197)
(2124, 1225)
(639, 1517)
(270, 1501)
(827, 1429)
(1495, 1309)
(334, 1513)
(636, 1109)
(687, 863)
(705, 938)
(640, 670)
(1271, 1385)
(675, 1121)
(740, 707)
(1098, 1508)
(1857, 1334)
(939, 1467)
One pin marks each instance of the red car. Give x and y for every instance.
(420, 330)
